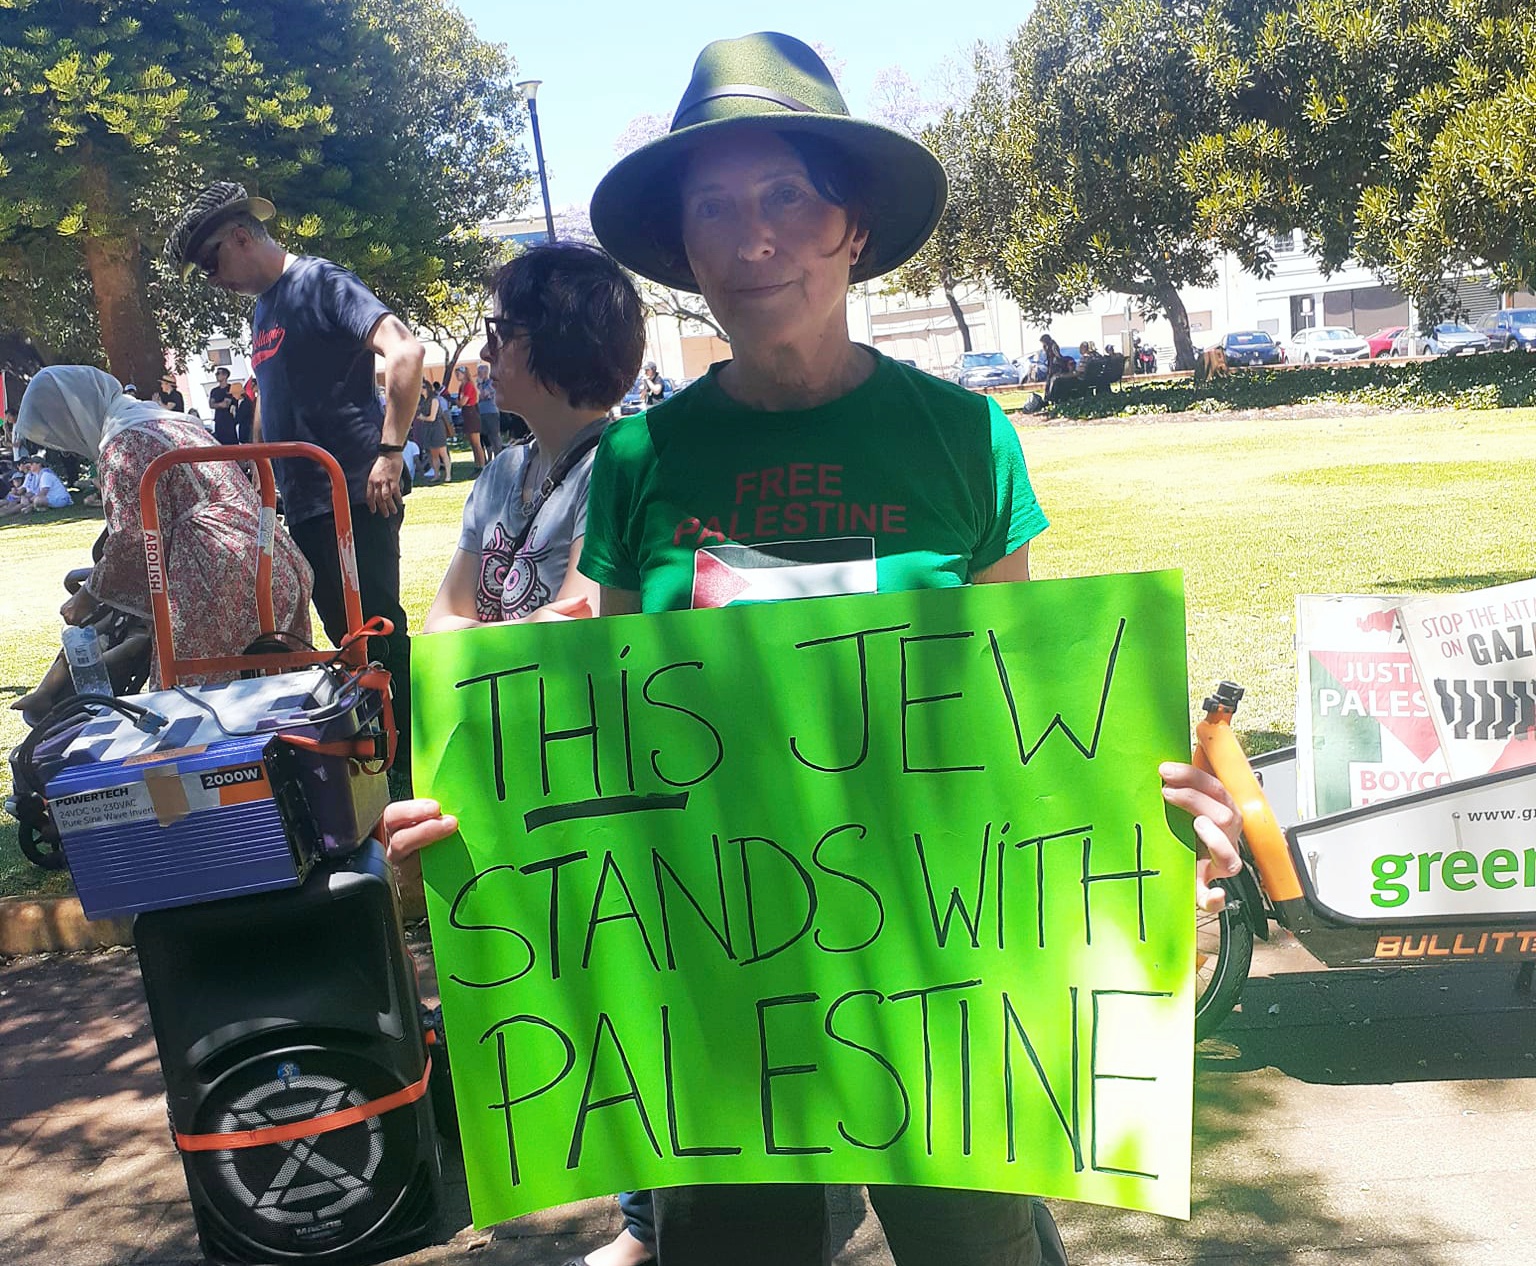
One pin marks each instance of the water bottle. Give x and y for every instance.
(82, 648)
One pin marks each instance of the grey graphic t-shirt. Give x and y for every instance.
(499, 507)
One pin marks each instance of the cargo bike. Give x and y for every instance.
(1442, 876)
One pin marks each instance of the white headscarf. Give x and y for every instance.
(78, 408)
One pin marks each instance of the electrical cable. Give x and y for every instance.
(339, 706)
(62, 714)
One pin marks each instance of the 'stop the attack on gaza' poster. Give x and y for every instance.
(1476, 654)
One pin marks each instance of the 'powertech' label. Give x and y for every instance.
(111, 806)
(163, 795)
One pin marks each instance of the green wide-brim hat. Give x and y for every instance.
(769, 83)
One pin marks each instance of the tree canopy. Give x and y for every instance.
(957, 254)
(384, 130)
(1075, 145)
(1121, 144)
(1398, 132)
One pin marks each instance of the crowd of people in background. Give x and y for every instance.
(465, 419)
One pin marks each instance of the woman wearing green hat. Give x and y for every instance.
(767, 199)
(805, 448)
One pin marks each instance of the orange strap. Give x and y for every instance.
(354, 749)
(305, 1129)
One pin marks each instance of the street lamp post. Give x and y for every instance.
(530, 89)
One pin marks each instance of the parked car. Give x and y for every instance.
(632, 397)
(1381, 342)
(1449, 338)
(1032, 367)
(1510, 330)
(985, 369)
(907, 360)
(1327, 343)
(1252, 347)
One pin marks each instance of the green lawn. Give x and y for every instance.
(1255, 512)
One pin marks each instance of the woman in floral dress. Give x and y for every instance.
(209, 517)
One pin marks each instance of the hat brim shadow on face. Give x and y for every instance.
(902, 186)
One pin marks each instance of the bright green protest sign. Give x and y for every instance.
(860, 890)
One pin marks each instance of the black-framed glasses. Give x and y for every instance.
(499, 330)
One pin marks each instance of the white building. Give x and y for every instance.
(199, 380)
(1295, 296)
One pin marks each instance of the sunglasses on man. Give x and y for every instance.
(208, 261)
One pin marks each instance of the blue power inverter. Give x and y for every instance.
(239, 793)
(194, 828)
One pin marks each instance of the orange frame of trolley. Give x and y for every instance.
(354, 646)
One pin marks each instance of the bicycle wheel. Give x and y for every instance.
(1223, 954)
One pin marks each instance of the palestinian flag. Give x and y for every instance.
(775, 570)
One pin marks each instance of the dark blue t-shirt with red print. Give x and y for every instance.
(314, 371)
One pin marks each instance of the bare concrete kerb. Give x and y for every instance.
(51, 925)
(48, 925)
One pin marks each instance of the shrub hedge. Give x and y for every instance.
(1494, 381)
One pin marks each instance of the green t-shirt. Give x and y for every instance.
(906, 482)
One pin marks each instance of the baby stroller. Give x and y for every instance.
(126, 648)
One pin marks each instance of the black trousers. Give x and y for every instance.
(376, 542)
(786, 1225)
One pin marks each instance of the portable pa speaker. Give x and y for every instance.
(278, 1013)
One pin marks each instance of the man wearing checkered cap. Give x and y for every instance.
(315, 333)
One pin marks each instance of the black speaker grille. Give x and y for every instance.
(325, 1197)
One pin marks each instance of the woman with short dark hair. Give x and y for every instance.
(563, 344)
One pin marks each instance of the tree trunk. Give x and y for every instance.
(948, 284)
(1183, 345)
(130, 334)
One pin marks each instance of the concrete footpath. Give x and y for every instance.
(1342, 1117)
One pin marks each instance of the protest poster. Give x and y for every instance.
(1476, 655)
(1364, 733)
(875, 889)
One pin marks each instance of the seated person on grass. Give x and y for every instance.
(1099, 371)
(41, 490)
